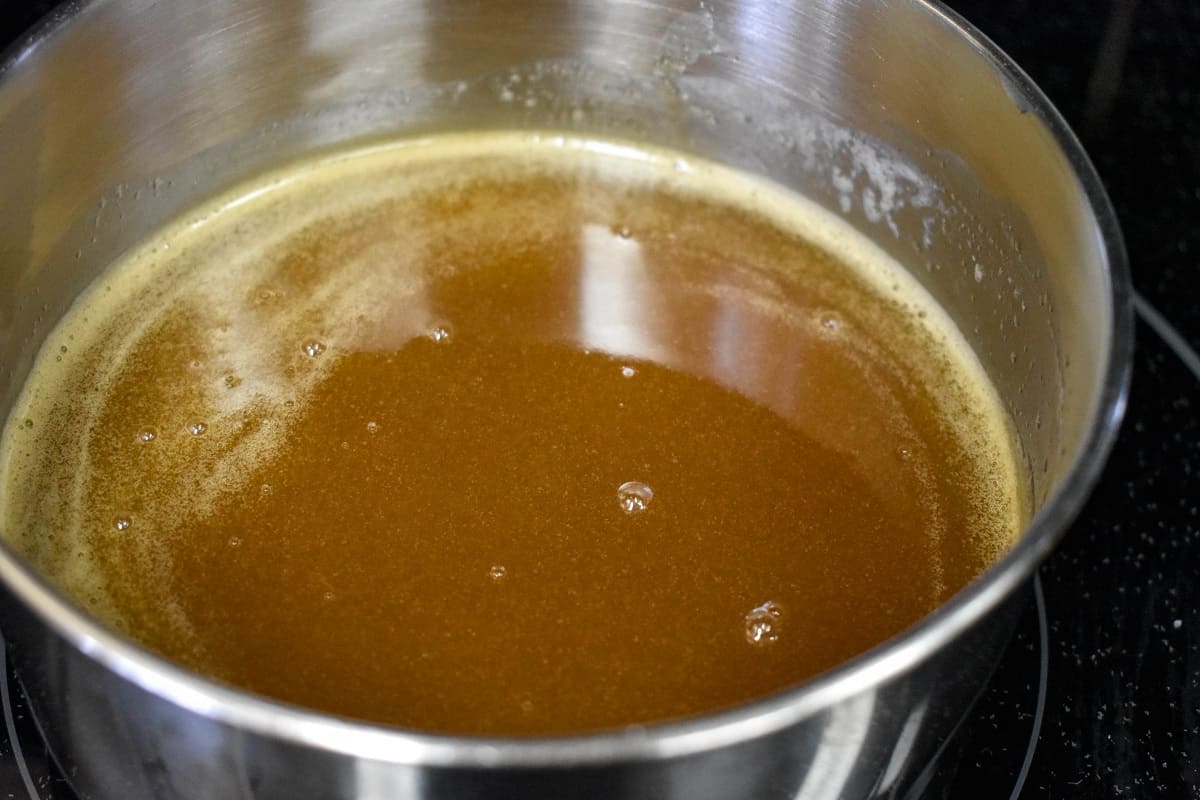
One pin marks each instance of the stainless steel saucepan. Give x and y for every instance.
(116, 115)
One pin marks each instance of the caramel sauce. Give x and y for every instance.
(480, 435)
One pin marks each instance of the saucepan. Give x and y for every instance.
(117, 115)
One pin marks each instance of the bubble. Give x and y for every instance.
(762, 624)
(498, 572)
(313, 349)
(439, 333)
(197, 428)
(122, 523)
(372, 427)
(634, 497)
(147, 436)
(62, 349)
(628, 372)
(265, 490)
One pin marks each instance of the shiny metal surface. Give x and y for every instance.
(120, 114)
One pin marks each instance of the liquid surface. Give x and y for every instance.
(511, 436)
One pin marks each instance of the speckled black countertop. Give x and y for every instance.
(1110, 707)
(1122, 712)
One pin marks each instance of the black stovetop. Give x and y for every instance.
(1099, 694)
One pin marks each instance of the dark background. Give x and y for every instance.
(1122, 714)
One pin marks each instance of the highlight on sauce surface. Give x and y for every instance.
(509, 435)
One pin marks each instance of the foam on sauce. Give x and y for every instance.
(723, 442)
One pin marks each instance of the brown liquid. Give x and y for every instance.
(506, 439)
